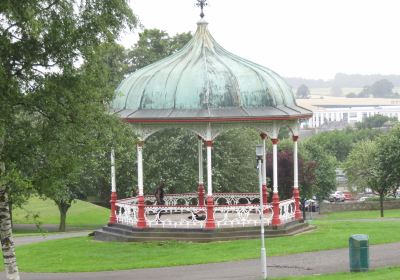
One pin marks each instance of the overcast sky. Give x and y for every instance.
(295, 38)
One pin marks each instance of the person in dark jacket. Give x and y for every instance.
(159, 195)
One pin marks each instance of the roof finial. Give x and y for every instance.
(201, 4)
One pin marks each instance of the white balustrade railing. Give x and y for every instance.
(175, 216)
(287, 210)
(192, 199)
(241, 215)
(236, 198)
(193, 216)
(126, 213)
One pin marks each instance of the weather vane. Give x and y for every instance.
(201, 4)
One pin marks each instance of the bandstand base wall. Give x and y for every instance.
(125, 233)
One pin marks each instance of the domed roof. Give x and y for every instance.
(203, 80)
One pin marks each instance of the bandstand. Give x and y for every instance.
(207, 90)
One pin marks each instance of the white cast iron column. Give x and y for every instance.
(200, 189)
(275, 197)
(264, 171)
(210, 224)
(141, 219)
(296, 194)
(113, 218)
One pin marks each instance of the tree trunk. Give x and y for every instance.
(7, 243)
(10, 210)
(63, 208)
(381, 196)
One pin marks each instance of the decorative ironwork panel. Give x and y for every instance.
(175, 216)
(126, 213)
(287, 210)
(241, 215)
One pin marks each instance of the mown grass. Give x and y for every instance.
(81, 213)
(390, 273)
(85, 254)
(372, 214)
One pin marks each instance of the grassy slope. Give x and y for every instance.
(68, 255)
(373, 214)
(378, 274)
(80, 214)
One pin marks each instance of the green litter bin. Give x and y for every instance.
(359, 252)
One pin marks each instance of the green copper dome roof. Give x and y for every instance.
(204, 80)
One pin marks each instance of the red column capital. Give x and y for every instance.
(263, 135)
(295, 138)
(140, 143)
(208, 143)
(275, 141)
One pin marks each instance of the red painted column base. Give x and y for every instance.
(296, 195)
(275, 206)
(210, 223)
(200, 192)
(113, 217)
(265, 197)
(141, 220)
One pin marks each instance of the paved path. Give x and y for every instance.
(298, 264)
(21, 240)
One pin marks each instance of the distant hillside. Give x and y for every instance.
(344, 81)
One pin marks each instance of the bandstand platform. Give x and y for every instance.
(236, 215)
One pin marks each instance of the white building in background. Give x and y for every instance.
(340, 112)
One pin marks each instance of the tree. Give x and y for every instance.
(375, 121)
(388, 161)
(303, 92)
(339, 143)
(79, 124)
(286, 172)
(363, 169)
(153, 45)
(351, 95)
(365, 93)
(96, 170)
(324, 169)
(40, 39)
(383, 89)
(379, 89)
(376, 164)
(171, 155)
(234, 161)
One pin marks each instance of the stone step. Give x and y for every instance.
(124, 233)
(180, 234)
(108, 236)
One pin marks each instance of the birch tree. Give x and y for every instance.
(37, 39)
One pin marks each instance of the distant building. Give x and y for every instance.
(339, 112)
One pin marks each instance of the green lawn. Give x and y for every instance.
(81, 213)
(84, 254)
(373, 214)
(390, 273)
